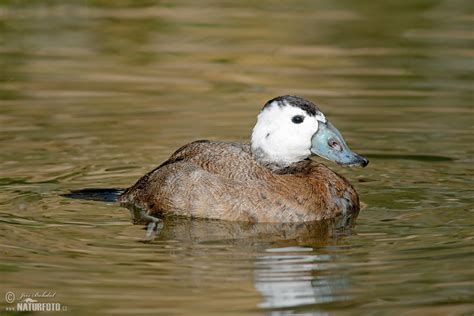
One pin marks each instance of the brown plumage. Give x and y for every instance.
(219, 180)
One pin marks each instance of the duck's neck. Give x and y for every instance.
(275, 150)
(271, 161)
(263, 158)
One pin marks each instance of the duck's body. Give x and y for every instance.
(270, 180)
(221, 180)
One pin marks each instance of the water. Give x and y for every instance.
(96, 93)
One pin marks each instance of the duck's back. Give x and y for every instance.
(222, 180)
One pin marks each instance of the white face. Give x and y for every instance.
(283, 134)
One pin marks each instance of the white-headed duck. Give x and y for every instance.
(271, 179)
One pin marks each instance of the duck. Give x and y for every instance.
(271, 179)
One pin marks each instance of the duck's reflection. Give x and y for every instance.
(184, 228)
(297, 276)
(291, 268)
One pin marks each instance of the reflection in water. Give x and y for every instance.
(285, 275)
(201, 230)
(296, 276)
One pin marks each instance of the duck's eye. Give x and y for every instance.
(334, 144)
(297, 119)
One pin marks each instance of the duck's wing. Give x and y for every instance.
(185, 188)
(201, 179)
(233, 161)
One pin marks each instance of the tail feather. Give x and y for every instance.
(99, 194)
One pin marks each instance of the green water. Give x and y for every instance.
(95, 93)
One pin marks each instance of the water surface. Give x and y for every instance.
(94, 94)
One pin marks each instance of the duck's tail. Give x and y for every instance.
(100, 194)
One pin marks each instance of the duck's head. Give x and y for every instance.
(290, 129)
